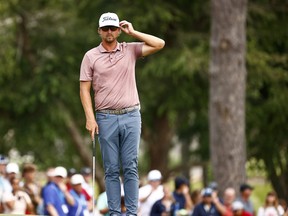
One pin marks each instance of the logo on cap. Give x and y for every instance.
(108, 18)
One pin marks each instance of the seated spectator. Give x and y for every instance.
(164, 206)
(181, 194)
(206, 207)
(238, 209)
(150, 193)
(271, 206)
(80, 207)
(17, 201)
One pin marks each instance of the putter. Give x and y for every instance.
(93, 176)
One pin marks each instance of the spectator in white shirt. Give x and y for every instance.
(151, 192)
(17, 201)
(271, 206)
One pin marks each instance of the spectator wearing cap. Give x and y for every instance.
(86, 172)
(30, 186)
(150, 193)
(70, 173)
(56, 196)
(181, 194)
(238, 209)
(206, 207)
(12, 169)
(245, 194)
(80, 207)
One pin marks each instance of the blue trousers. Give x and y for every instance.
(119, 138)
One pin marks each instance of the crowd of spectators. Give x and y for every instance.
(69, 193)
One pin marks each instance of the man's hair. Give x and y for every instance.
(179, 181)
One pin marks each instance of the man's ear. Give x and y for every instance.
(98, 30)
(119, 32)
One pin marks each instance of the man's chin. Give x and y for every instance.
(110, 40)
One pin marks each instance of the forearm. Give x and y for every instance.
(87, 104)
(150, 40)
(69, 198)
(51, 210)
(104, 211)
(188, 203)
(10, 204)
(220, 207)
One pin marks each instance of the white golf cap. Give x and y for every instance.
(109, 19)
(77, 179)
(60, 171)
(12, 168)
(237, 205)
(154, 175)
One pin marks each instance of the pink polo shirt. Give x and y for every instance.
(112, 75)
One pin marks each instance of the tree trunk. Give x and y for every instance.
(227, 92)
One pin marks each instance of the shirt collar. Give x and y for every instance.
(103, 50)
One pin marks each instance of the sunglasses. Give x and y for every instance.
(106, 28)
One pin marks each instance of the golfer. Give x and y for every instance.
(110, 69)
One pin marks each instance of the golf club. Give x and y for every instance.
(93, 175)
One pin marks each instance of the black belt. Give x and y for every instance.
(119, 111)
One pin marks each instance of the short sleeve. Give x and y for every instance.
(49, 196)
(7, 197)
(137, 48)
(86, 71)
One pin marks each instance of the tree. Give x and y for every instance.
(267, 92)
(227, 92)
